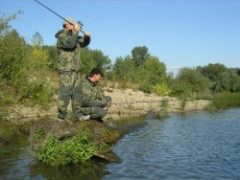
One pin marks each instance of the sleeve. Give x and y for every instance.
(84, 41)
(66, 41)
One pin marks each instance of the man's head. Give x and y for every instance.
(95, 74)
(68, 20)
(69, 23)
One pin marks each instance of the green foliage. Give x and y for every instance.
(180, 90)
(37, 39)
(14, 134)
(6, 97)
(229, 81)
(78, 149)
(13, 56)
(146, 75)
(124, 69)
(214, 73)
(139, 55)
(93, 58)
(155, 71)
(189, 82)
(5, 19)
(161, 89)
(52, 56)
(40, 133)
(165, 103)
(226, 100)
(146, 87)
(24, 71)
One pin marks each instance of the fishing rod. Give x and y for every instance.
(59, 15)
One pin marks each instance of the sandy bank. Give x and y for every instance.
(125, 102)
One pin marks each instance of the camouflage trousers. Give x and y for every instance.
(66, 89)
(95, 112)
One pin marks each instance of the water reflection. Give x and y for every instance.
(89, 170)
(20, 164)
(196, 145)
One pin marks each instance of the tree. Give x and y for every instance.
(13, 58)
(4, 21)
(229, 81)
(139, 55)
(37, 40)
(214, 73)
(4, 27)
(53, 56)
(190, 82)
(155, 70)
(119, 69)
(93, 58)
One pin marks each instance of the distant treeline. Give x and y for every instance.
(28, 71)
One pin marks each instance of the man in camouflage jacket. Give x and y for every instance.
(89, 98)
(69, 44)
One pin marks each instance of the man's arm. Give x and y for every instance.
(85, 40)
(66, 41)
(89, 98)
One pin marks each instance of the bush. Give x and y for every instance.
(181, 91)
(147, 88)
(37, 91)
(226, 100)
(161, 89)
(6, 97)
(78, 149)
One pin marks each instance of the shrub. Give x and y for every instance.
(147, 88)
(78, 149)
(161, 89)
(226, 100)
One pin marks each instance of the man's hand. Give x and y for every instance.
(86, 33)
(76, 27)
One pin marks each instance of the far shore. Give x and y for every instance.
(125, 103)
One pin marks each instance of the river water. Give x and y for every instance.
(194, 145)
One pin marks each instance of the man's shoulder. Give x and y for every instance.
(60, 33)
(85, 82)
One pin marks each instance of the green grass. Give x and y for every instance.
(226, 100)
(78, 149)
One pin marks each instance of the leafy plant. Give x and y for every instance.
(78, 149)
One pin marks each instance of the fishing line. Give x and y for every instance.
(52, 11)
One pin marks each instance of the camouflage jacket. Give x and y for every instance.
(91, 94)
(69, 44)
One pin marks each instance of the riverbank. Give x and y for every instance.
(125, 103)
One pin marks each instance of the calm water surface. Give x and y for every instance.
(196, 145)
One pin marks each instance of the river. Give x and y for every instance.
(193, 145)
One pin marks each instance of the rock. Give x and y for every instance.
(103, 136)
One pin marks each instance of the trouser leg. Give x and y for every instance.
(66, 82)
(98, 113)
(77, 112)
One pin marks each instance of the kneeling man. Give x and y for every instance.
(89, 99)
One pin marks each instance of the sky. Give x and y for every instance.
(181, 33)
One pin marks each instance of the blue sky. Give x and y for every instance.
(181, 33)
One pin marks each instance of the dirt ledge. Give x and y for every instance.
(125, 103)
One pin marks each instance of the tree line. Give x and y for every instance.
(28, 71)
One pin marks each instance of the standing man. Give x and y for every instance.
(69, 44)
(89, 97)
